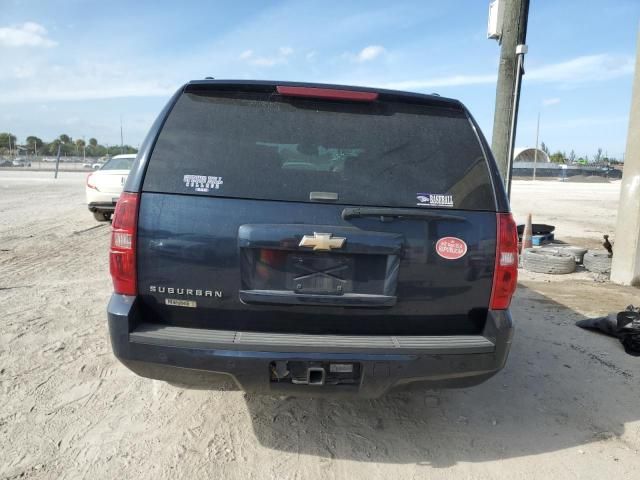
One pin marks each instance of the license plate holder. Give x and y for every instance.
(321, 274)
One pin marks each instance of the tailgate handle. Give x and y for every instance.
(285, 297)
(353, 212)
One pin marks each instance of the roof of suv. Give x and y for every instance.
(262, 85)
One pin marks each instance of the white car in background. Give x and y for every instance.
(105, 185)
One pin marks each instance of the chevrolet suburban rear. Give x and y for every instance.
(312, 239)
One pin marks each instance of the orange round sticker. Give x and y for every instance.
(451, 248)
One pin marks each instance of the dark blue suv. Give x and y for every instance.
(308, 238)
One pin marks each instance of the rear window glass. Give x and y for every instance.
(118, 164)
(264, 146)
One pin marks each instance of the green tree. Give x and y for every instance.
(98, 151)
(80, 144)
(52, 148)
(114, 150)
(598, 156)
(557, 157)
(7, 141)
(119, 150)
(34, 144)
(572, 156)
(68, 147)
(545, 149)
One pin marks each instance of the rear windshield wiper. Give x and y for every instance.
(353, 212)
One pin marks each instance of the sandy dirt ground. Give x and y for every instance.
(566, 405)
(583, 212)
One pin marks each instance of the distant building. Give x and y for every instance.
(529, 155)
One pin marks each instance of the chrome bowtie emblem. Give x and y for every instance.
(322, 241)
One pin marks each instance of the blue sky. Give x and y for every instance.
(75, 66)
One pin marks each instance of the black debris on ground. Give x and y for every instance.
(624, 325)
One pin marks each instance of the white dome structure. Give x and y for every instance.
(528, 154)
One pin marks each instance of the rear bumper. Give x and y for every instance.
(102, 206)
(203, 358)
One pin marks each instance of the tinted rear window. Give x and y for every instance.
(264, 146)
(118, 164)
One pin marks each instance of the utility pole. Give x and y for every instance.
(625, 264)
(513, 39)
(121, 137)
(535, 152)
(55, 175)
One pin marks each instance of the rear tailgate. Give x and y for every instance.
(111, 181)
(269, 213)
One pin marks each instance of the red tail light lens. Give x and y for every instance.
(327, 93)
(90, 182)
(122, 255)
(505, 276)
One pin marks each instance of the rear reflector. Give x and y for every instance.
(122, 255)
(327, 93)
(505, 276)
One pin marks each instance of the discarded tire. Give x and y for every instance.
(597, 262)
(577, 252)
(548, 261)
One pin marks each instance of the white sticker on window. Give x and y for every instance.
(434, 200)
(202, 183)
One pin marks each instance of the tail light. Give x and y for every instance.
(327, 93)
(505, 276)
(90, 182)
(122, 255)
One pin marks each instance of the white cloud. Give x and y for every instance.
(447, 81)
(586, 122)
(550, 101)
(29, 34)
(579, 70)
(87, 80)
(369, 53)
(246, 55)
(583, 69)
(22, 71)
(266, 61)
(60, 92)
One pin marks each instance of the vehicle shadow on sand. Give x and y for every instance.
(562, 387)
